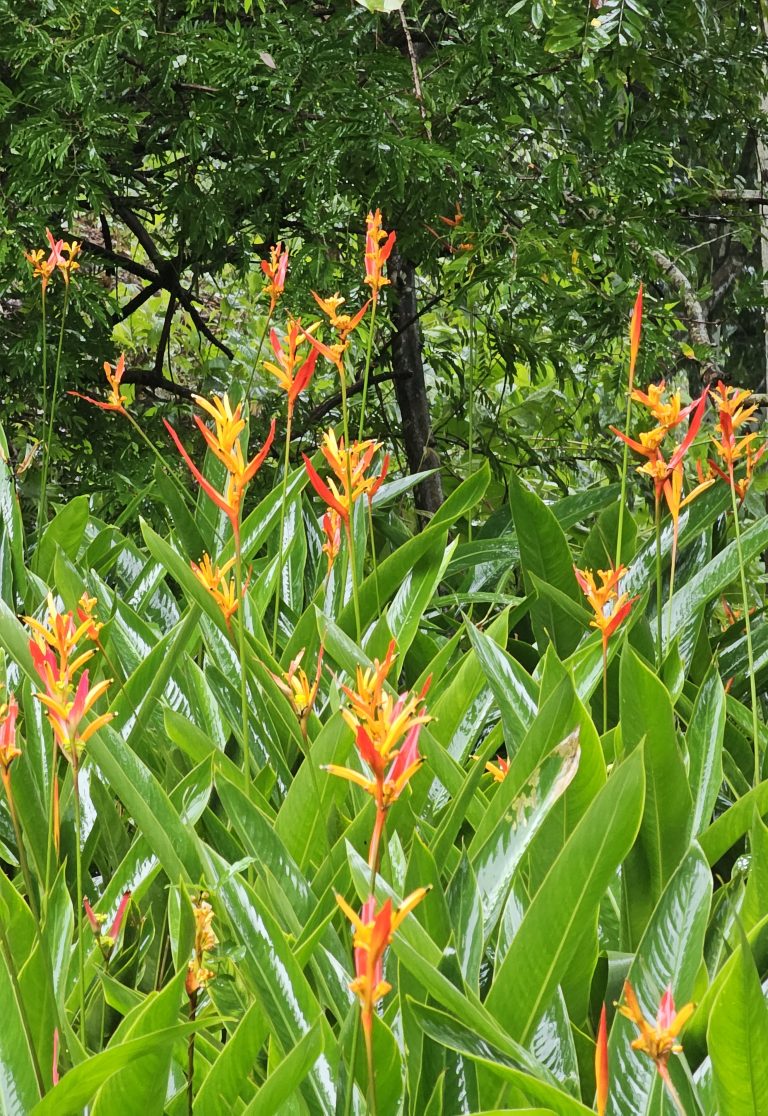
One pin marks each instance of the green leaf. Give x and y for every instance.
(647, 715)
(737, 1038)
(515, 691)
(78, 1086)
(545, 552)
(704, 741)
(567, 900)
(227, 1079)
(669, 954)
(283, 1082)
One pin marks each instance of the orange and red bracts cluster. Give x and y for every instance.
(351, 474)
(731, 446)
(373, 931)
(660, 1039)
(376, 253)
(224, 442)
(57, 658)
(116, 401)
(9, 711)
(275, 269)
(498, 770)
(292, 369)
(62, 257)
(387, 729)
(609, 605)
(106, 941)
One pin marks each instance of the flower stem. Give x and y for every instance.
(659, 627)
(624, 468)
(605, 687)
(79, 874)
(241, 651)
(748, 628)
(368, 1032)
(353, 570)
(263, 338)
(351, 508)
(279, 585)
(44, 475)
(191, 1056)
(348, 1105)
(52, 414)
(674, 1095)
(373, 559)
(51, 818)
(366, 373)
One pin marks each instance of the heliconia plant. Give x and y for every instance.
(284, 829)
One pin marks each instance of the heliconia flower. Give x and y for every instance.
(116, 401)
(351, 473)
(673, 491)
(601, 1065)
(9, 711)
(457, 218)
(292, 379)
(198, 974)
(106, 942)
(656, 467)
(86, 614)
(376, 253)
(225, 445)
(657, 1040)
(667, 414)
(332, 530)
(373, 932)
(67, 262)
(44, 267)
(731, 448)
(498, 770)
(344, 324)
(610, 607)
(635, 326)
(54, 644)
(275, 269)
(66, 715)
(223, 590)
(301, 693)
(385, 717)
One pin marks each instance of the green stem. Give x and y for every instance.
(605, 688)
(373, 559)
(659, 626)
(471, 409)
(14, 976)
(351, 509)
(79, 874)
(366, 373)
(372, 1108)
(191, 1056)
(353, 1058)
(52, 416)
(241, 651)
(43, 476)
(51, 818)
(264, 333)
(624, 468)
(672, 580)
(748, 628)
(279, 585)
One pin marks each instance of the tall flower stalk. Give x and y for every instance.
(732, 447)
(378, 248)
(226, 444)
(635, 327)
(293, 373)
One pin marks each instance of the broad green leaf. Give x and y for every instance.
(416, 591)
(497, 860)
(669, 954)
(19, 1091)
(554, 923)
(283, 1082)
(514, 690)
(647, 716)
(12, 527)
(545, 552)
(460, 1036)
(704, 740)
(227, 1079)
(77, 1087)
(737, 1038)
(66, 530)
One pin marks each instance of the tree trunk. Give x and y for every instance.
(410, 388)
